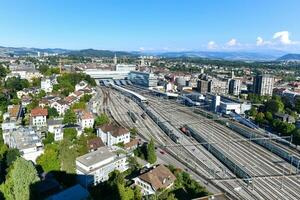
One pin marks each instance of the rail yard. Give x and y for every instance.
(229, 161)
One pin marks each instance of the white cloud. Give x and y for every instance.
(142, 49)
(232, 42)
(283, 37)
(259, 41)
(212, 45)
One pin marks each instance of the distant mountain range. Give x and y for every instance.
(23, 51)
(267, 55)
(100, 53)
(260, 56)
(290, 57)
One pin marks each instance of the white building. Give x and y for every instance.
(26, 140)
(111, 134)
(157, 178)
(61, 106)
(263, 85)
(39, 117)
(55, 127)
(234, 87)
(125, 67)
(28, 91)
(94, 167)
(28, 73)
(81, 85)
(86, 120)
(46, 85)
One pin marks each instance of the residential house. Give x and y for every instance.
(25, 100)
(133, 144)
(46, 85)
(77, 94)
(55, 127)
(157, 178)
(39, 117)
(48, 100)
(14, 113)
(86, 119)
(81, 85)
(28, 91)
(94, 144)
(71, 100)
(61, 106)
(112, 134)
(94, 167)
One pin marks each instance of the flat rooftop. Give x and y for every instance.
(96, 156)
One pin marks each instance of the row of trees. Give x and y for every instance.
(265, 116)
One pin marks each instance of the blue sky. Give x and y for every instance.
(171, 25)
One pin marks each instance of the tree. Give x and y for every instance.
(11, 156)
(274, 106)
(125, 193)
(296, 137)
(151, 155)
(67, 156)
(23, 175)
(3, 71)
(69, 117)
(49, 139)
(16, 84)
(36, 82)
(260, 118)
(133, 131)
(52, 112)
(41, 94)
(79, 105)
(101, 120)
(70, 134)
(86, 98)
(252, 112)
(297, 105)
(269, 116)
(288, 128)
(49, 159)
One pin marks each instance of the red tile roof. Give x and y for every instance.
(39, 112)
(159, 178)
(87, 115)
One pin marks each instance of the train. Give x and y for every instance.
(221, 156)
(132, 116)
(143, 115)
(165, 126)
(187, 101)
(271, 146)
(185, 131)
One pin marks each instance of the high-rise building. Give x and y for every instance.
(217, 86)
(215, 102)
(263, 85)
(202, 86)
(234, 87)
